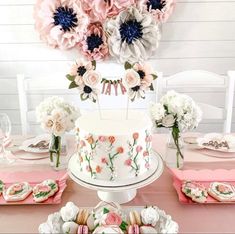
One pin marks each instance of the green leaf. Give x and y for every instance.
(73, 85)
(94, 64)
(154, 76)
(151, 87)
(123, 226)
(69, 77)
(105, 210)
(127, 65)
(53, 186)
(83, 98)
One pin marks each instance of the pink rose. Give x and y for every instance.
(128, 162)
(131, 79)
(91, 79)
(113, 219)
(139, 148)
(104, 160)
(102, 138)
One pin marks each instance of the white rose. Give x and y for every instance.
(131, 79)
(69, 212)
(168, 121)
(47, 124)
(149, 216)
(91, 78)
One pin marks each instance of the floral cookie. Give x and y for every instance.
(223, 192)
(17, 192)
(2, 186)
(44, 190)
(196, 191)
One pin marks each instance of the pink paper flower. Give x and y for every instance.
(139, 148)
(99, 10)
(60, 23)
(128, 162)
(94, 44)
(113, 219)
(160, 9)
(131, 79)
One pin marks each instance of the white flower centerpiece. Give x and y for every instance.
(179, 113)
(56, 117)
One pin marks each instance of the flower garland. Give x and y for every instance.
(138, 79)
(128, 30)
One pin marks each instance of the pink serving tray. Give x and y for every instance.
(204, 177)
(33, 178)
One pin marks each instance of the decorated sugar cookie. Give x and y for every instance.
(44, 190)
(17, 192)
(196, 191)
(2, 186)
(223, 192)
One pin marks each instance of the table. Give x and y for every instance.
(194, 218)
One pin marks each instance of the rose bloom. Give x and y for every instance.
(104, 160)
(168, 121)
(128, 162)
(139, 148)
(135, 135)
(111, 139)
(146, 153)
(102, 138)
(113, 219)
(47, 123)
(59, 128)
(98, 169)
(131, 79)
(92, 78)
(120, 150)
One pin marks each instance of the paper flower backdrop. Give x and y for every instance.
(125, 29)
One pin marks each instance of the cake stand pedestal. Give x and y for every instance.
(112, 191)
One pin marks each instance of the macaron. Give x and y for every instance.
(82, 217)
(135, 218)
(91, 222)
(133, 229)
(82, 229)
(147, 229)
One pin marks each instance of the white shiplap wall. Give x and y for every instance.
(199, 35)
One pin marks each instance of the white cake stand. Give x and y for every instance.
(120, 192)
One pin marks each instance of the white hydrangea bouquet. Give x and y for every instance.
(179, 113)
(56, 117)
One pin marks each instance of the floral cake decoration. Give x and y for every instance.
(128, 30)
(138, 79)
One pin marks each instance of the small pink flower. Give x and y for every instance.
(139, 148)
(88, 168)
(146, 154)
(148, 139)
(102, 138)
(128, 162)
(120, 150)
(131, 79)
(98, 169)
(82, 144)
(147, 165)
(135, 135)
(104, 160)
(113, 219)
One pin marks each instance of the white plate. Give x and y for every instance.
(30, 156)
(216, 136)
(25, 145)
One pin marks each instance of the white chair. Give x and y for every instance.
(207, 89)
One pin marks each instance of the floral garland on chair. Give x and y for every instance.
(125, 29)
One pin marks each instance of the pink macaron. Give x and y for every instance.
(133, 229)
(82, 229)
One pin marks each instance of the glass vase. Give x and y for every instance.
(55, 152)
(174, 151)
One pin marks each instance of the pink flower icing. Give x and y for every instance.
(128, 162)
(43, 188)
(113, 219)
(17, 187)
(139, 148)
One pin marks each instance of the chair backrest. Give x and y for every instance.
(32, 91)
(213, 92)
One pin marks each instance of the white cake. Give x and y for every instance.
(114, 148)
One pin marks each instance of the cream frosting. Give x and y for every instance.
(150, 216)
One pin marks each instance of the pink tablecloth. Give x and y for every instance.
(192, 218)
